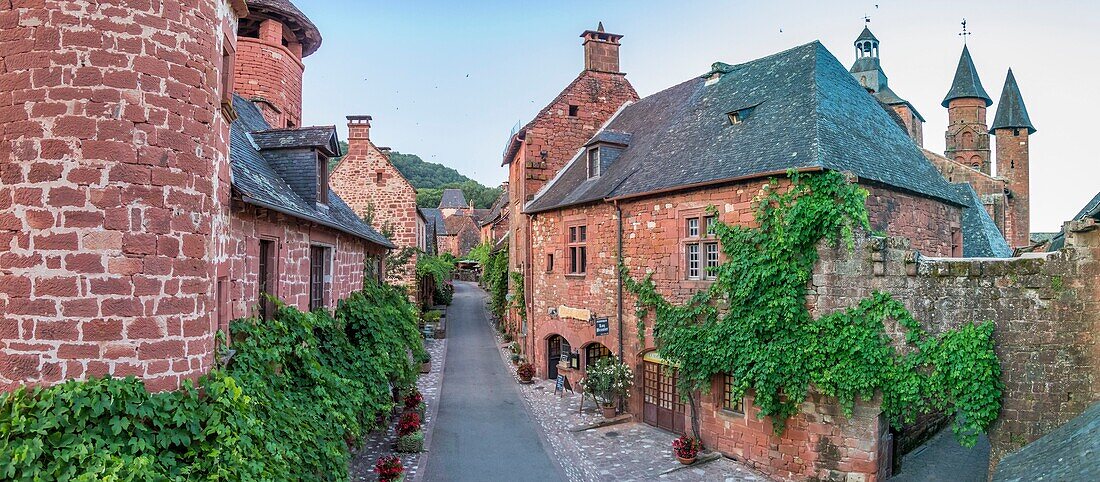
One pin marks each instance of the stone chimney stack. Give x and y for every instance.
(601, 50)
(358, 134)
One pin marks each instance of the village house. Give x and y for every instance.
(460, 228)
(378, 192)
(494, 225)
(145, 204)
(636, 189)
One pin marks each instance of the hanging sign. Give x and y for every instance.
(603, 326)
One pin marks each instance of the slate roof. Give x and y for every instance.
(435, 217)
(887, 96)
(1070, 452)
(258, 183)
(285, 11)
(1011, 111)
(498, 210)
(809, 114)
(321, 137)
(453, 198)
(966, 83)
(866, 35)
(981, 238)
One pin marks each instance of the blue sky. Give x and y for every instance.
(448, 80)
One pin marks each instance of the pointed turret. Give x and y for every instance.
(966, 83)
(868, 72)
(1011, 111)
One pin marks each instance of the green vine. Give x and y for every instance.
(440, 268)
(494, 276)
(301, 388)
(519, 300)
(753, 323)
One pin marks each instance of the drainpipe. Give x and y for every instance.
(618, 267)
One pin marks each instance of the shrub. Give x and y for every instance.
(525, 371)
(433, 316)
(607, 379)
(388, 468)
(411, 443)
(507, 337)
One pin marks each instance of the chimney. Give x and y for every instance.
(358, 134)
(601, 50)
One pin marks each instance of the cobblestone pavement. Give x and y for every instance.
(623, 452)
(381, 443)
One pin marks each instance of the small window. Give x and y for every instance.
(693, 227)
(550, 262)
(227, 67)
(322, 179)
(730, 403)
(593, 162)
(712, 259)
(578, 249)
(266, 279)
(693, 261)
(573, 111)
(378, 177)
(594, 352)
(735, 117)
(319, 272)
(708, 225)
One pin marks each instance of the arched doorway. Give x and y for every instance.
(661, 403)
(595, 351)
(555, 346)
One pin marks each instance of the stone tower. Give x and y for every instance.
(114, 147)
(966, 102)
(1012, 126)
(868, 72)
(271, 43)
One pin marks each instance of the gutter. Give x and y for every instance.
(256, 202)
(619, 268)
(685, 187)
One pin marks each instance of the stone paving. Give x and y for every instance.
(380, 443)
(624, 452)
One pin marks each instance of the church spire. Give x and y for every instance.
(1011, 112)
(966, 83)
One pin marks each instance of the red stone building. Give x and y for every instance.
(378, 192)
(638, 188)
(130, 231)
(495, 224)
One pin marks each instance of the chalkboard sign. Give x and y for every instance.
(560, 385)
(603, 327)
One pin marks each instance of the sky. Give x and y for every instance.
(448, 80)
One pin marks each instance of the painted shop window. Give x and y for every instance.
(578, 249)
(594, 352)
(730, 403)
(319, 276)
(700, 248)
(593, 162)
(266, 278)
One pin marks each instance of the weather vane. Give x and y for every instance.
(867, 19)
(964, 34)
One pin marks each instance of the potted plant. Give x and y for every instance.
(389, 469)
(686, 449)
(414, 402)
(608, 380)
(410, 438)
(525, 371)
(426, 363)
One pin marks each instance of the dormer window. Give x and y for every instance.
(322, 179)
(593, 162)
(735, 117)
(738, 116)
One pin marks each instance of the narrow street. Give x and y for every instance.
(483, 432)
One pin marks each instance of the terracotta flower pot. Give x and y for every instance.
(685, 461)
(608, 412)
(426, 367)
(527, 381)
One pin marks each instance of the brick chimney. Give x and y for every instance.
(358, 134)
(601, 50)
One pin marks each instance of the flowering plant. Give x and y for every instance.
(525, 371)
(388, 468)
(413, 399)
(607, 379)
(686, 447)
(409, 423)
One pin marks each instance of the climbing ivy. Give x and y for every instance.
(519, 300)
(494, 276)
(753, 323)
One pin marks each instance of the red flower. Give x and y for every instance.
(388, 468)
(409, 423)
(413, 399)
(686, 447)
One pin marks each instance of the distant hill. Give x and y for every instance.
(430, 179)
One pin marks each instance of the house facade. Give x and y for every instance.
(136, 224)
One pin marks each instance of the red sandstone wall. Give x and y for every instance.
(819, 442)
(391, 199)
(990, 189)
(267, 69)
(1013, 163)
(108, 203)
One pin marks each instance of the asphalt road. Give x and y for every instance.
(483, 431)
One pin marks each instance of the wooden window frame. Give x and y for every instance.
(576, 245)
(267, 279)
(595, 351)
(593, 158)
(226, 77)
(697, 241)
(322, 179)
(320, 274)
(549, 262)
(725, 401)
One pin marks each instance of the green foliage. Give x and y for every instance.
(440, 268)
(519, 300)
(430, 179)
(494, 276)
(299, 388)
(753, 323)
(481, 253)
(411, 443)
(608, 379)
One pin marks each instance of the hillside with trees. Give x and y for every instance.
(430, 179)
